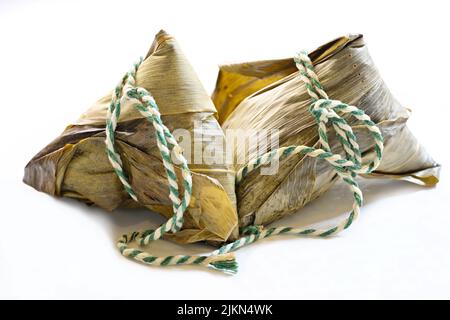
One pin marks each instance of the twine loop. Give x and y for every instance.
(126, 91)
(326, 112)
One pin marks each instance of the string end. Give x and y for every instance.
(227, 265)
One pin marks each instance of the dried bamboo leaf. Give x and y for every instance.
(268, 95)
(75, 165)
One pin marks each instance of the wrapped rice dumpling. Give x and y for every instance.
(75, 164)
(269, 95)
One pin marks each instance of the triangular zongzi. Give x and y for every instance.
(269, 95)
(76, 165)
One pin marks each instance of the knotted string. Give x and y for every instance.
(166, 142)
(324, 110)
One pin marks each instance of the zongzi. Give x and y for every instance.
(75, 164)
(270, 96)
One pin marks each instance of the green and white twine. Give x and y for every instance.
(324, 111)
(166, 143)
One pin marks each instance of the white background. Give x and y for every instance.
(56, 58)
